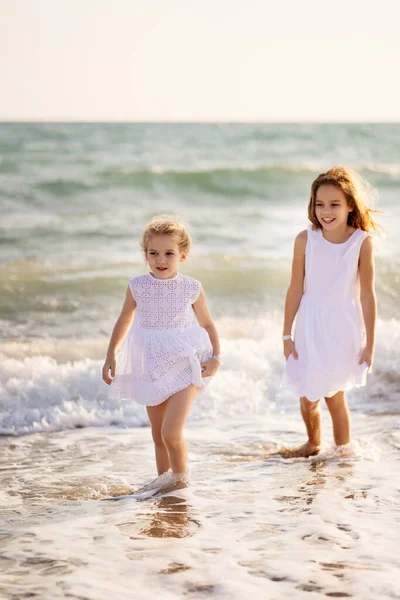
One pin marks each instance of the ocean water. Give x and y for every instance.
(74, 200)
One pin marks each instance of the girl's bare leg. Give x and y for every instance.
(156, 416)
(176, 413)
(341, 420)
(312, 420)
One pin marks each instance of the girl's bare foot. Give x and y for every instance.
(304, 451)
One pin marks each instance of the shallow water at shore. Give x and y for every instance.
(247, 524)
(74, 199)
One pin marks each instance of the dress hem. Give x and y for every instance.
(330, 393)
(201, 389)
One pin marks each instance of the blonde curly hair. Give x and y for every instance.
(165, 225)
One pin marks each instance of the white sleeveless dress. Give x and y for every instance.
(162, 352)
(329, 332)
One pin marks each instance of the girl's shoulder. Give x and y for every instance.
(368, 243)
(189, 280)
(137, 285)
(300, 241)
(139, 279)
(359, 238)
(302, 236)
(358, 244)
(192, 287)
(374, 240)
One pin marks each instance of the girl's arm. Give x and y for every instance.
(119, 332)
(367, 298)
(295, 292)
(204, 318)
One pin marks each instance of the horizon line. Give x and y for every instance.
(200, 122)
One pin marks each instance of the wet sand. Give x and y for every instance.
(247, 526)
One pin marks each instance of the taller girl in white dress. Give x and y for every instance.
(166, 357)
(332, 293)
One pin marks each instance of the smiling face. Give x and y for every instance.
(163, 256)
(331, 207)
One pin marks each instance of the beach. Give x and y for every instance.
(74, 200)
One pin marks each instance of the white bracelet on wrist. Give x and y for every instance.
(216, 357)
(287, 337)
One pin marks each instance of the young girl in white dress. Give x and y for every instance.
(165, 357)
(332, 293)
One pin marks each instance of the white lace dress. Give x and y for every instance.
(162, 352)
(329, 331)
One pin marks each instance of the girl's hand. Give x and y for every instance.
(109, 365)
(366, 356)
(289, 348)
(210, 367)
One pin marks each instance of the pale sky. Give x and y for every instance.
(199, 60)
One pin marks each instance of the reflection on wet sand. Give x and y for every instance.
(170, 519)
(321, 472)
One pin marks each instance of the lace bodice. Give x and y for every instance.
(164, 303)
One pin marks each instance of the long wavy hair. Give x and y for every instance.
(358, 194)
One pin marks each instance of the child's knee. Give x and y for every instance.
(308, 406)
(336, 403)
(157, 437)
(171, 439)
